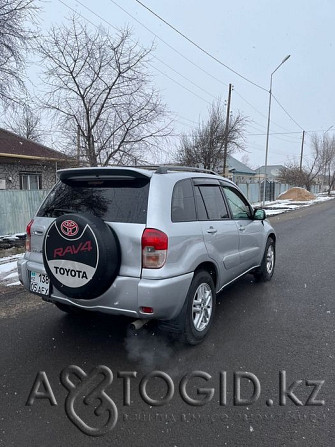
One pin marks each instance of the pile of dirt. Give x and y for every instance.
(298, 194)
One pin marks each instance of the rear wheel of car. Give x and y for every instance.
(199, 308)
(266, 269)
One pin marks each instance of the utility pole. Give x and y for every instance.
(226, 132)
(302, 149)
(268, 129)
(78, 145)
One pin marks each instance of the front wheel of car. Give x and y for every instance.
(266, 269)
(200, 307)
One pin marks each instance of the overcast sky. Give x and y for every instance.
(252, 38)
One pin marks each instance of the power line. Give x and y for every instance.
(164, 74)
(286, 112)
(169, 45)
(262, 127)
(162, 62)
(187, 119)
(260, 113)
(155, 68)
(178, 52)
(273, 133)
(190, 61)
(178, 83)
(187, 79)
(200, 48)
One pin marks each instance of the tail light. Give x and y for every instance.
(147, 310)
(28, 237)
(154, 248)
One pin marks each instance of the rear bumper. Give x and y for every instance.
(126, 295)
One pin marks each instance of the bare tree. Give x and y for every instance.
(15, 37)
(292, 175)
(319, 163)
(26, 122)
(205, 145)
(98, 85)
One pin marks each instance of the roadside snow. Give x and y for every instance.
(12, 236)
(8, 270)
(8, 267)
(16, 283)
(7, 258)
(11, 275)
(283, 206)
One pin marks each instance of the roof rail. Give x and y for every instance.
(163, 169)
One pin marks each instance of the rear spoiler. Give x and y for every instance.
(78, 174)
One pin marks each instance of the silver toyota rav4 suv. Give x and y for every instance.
(150, 243)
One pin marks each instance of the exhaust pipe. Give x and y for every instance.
(137, 325)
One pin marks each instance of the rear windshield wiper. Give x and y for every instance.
(57, 211)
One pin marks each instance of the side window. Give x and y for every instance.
(238, 205)
(182, 205)
(213, 201)
(202, 213)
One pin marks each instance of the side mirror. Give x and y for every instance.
(259, 214)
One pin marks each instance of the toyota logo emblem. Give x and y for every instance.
(69, 228)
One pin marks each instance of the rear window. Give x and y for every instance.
(111, 200)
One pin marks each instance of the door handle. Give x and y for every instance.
(38, 232)
(241, 228)
(211, 230)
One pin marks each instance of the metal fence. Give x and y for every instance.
(254, 191)
(17, 208)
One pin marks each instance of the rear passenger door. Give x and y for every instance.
(219, 231)
(251, 232)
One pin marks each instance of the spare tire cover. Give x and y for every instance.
(81, 255)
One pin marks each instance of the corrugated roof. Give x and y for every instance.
(269, 169)
(13, 145)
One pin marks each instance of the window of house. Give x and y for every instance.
(30, 180)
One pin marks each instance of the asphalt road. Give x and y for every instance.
(284, 325)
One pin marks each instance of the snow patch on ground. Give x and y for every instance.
(8, 270)
(11, 275)
(12, 236)
(16, 283)
(7, 258)
(283, 206)
(8, 267)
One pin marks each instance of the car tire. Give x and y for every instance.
(265, 271)
(199, 308)
(81, 255)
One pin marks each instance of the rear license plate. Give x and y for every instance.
(39, 283)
